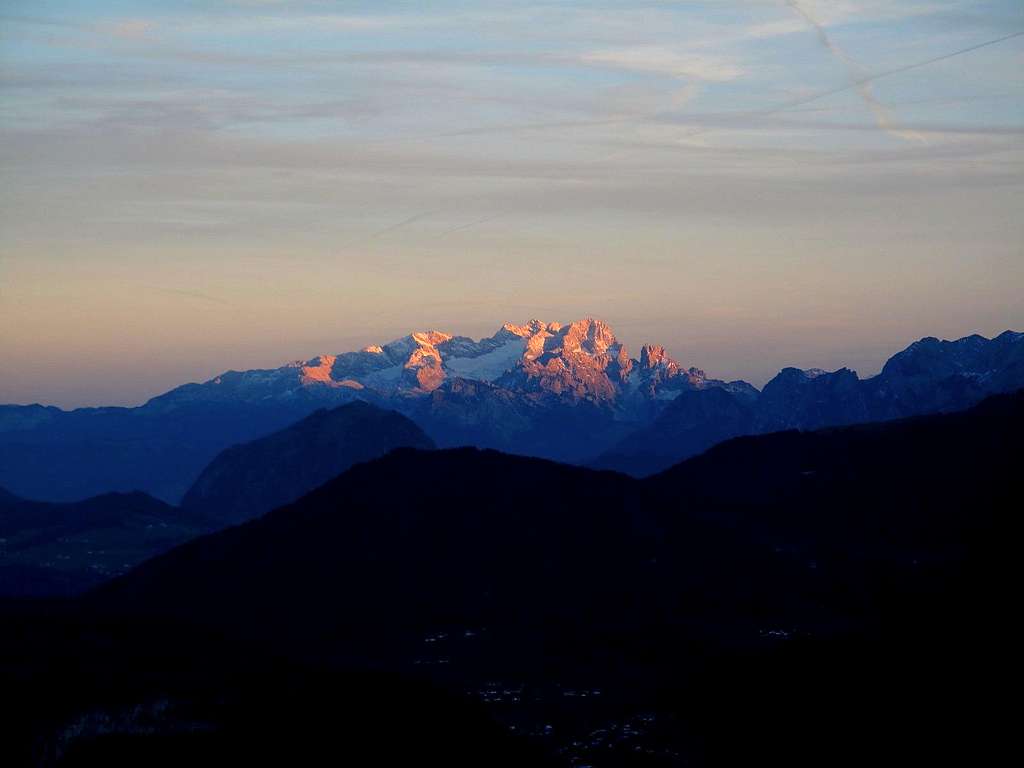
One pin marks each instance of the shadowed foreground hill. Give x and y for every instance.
(829, 598)
(60, 549)
(931, 485)
(83, 691)
(413, 539)
(468, 527)
(248, 480)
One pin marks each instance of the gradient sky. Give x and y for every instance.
(189, 187)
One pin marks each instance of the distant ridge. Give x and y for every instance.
(930, 376)
(569, 392)
(248, 480)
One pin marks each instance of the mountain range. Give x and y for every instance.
(816, 573)
(63, 548)
(565, 392)
(827, 597)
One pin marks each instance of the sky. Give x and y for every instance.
(189, 187)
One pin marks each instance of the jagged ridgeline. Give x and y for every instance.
(567, 392)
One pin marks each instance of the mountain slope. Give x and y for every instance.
(163, 445)
(690, 424)
(419, 530)
(566, 392)
(159, 448)
(53, 549)
(245, 481)
(930, 376)
(929, 485)
(873, 547)
(80, 690)
(452, 522)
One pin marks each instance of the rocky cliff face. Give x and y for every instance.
(814, 398)
(567, 392)
(932, 375)
(580, 361)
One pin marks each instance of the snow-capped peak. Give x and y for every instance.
(580, 360)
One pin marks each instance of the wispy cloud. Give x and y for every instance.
(857, 74)
(130, 29)
(665, 61)
(871, 78)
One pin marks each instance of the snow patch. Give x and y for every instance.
(385, 376)
(488, 366)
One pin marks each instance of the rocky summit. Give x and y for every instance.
(578, 361)
(570, 392)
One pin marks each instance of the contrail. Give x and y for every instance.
(804, 100)
(399, 224)
(189, 294)
(888, 73)
(385, 230)
(863, 84)
(856, 84)
(461, 227)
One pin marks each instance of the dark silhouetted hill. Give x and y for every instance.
(58, 549)
(245, 481)
(690, 424)
(85, 691)
(838, 597)
(836, 567)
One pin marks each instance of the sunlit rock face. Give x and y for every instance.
(582, 360)
(563, 391)
(575, 362)
(657, 380)
(423, 371)
(318, 370)
(654, 356)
